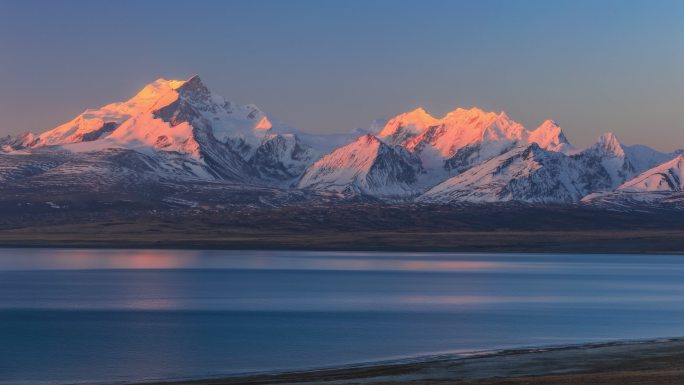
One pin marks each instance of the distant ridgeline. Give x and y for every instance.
(176, 143)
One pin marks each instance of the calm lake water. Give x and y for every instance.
(115, 316)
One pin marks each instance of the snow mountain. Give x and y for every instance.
(213, 138)
(667, 177)
(282, 157)
(178, 141)
(366, 166)
(661, 185)
(536, 175)
(406, 126)
(525, 174)
(466, 137)
(622, 162)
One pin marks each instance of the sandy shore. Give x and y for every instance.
(623, 363)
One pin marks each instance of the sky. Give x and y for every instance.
(331, 66)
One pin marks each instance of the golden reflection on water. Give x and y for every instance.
(122, 259)
(196, 259)
(110, 259)
(389, 264)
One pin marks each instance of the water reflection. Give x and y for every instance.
(104, 315)
(77, 259)
(193, 259)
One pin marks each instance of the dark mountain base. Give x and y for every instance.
(349, 226)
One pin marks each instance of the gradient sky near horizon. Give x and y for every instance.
(331, 66)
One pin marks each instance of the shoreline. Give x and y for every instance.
(651, 361)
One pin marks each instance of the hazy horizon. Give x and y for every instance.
(335, 66)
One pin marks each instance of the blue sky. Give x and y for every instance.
(330, 66)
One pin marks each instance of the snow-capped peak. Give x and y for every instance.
(469, 153)
(406, 126)
(473, 113)
(667, 177)
(549, 135)
(417, 131)
(609, 144)
(159, 87)
(264, 124)
(465, 127)
(363, 149)
(419, 117)
(161, 115)
(525, 173)
(549, 126)
(365, 166)
(94, 124)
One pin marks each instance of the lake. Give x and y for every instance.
(115, 316)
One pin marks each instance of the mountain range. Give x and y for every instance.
(177, 143)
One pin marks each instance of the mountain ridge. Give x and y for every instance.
(176, 133)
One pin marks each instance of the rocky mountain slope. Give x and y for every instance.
(662, 185)
(529, 174)
(207, 136)
(366, 166)
(667, 177)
